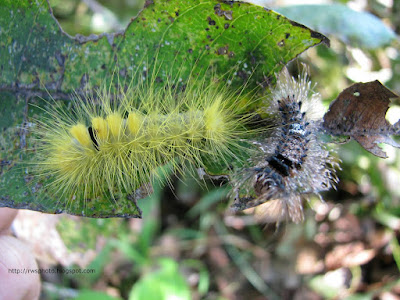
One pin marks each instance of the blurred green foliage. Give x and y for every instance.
(196, 218)
(342, 22)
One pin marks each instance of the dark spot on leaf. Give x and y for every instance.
(314, 34)
(255, 57)
(60, 58)
(319, 36)
(207, 47)
(222, 13)
(190, 50)
(242, 74)
(148, 3)
(230, 2)
(207, 29)
(226, 26)
(222, 50)
(211, 22)
(287, 35)
(177, 13)
(281, 43)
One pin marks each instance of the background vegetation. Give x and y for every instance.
(187, 244)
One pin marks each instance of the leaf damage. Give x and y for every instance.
(359, 112)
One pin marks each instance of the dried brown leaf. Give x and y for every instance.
(359, 112)
(348, 255)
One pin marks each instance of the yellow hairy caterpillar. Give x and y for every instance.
(111, 143)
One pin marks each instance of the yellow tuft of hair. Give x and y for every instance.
(115, 124)
(134, 121)
(80, 133)
(215, 124)
(99, 125)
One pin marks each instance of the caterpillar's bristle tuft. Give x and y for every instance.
(80, 133)
(100, 128)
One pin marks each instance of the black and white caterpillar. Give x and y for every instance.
(291, 163)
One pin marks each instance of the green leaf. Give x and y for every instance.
(355, 28)
(199, 38)
(167, 283)
(88, 295)
(178, 34)
(327, 289)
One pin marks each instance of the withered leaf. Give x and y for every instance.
(359, 112)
